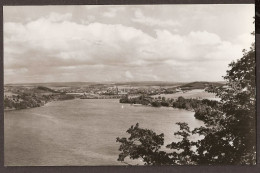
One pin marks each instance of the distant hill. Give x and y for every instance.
(183, 85)
(54, 84)
(79, 84)
(44, 89)
(150, 83)
(200, 85)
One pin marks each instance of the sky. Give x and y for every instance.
(174, 43)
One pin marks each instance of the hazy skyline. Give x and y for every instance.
(175, 43)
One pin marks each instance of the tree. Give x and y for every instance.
(145, 144)
(156, 104)
(229, 132)
(239, 107)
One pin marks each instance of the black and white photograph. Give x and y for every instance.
(127, 85)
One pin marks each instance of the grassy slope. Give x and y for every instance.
(200, 85)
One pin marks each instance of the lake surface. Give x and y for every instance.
(81, 132)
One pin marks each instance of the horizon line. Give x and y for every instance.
(100, 82)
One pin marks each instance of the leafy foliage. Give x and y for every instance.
(145, 144)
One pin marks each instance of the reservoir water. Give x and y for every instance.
(81, 132)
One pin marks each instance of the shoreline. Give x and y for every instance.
(190, 110)
(9, 110)
(106, 98)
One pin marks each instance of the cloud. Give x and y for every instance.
(56, 48)
(112, 12)
(225, 51)
(91, 7)
(56, 17)
(204, 38)
(129, 75)
(246, 40)
(140, 18)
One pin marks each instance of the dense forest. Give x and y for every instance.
(34, 97)
(202, 108)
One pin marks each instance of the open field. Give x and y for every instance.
(192, 94)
